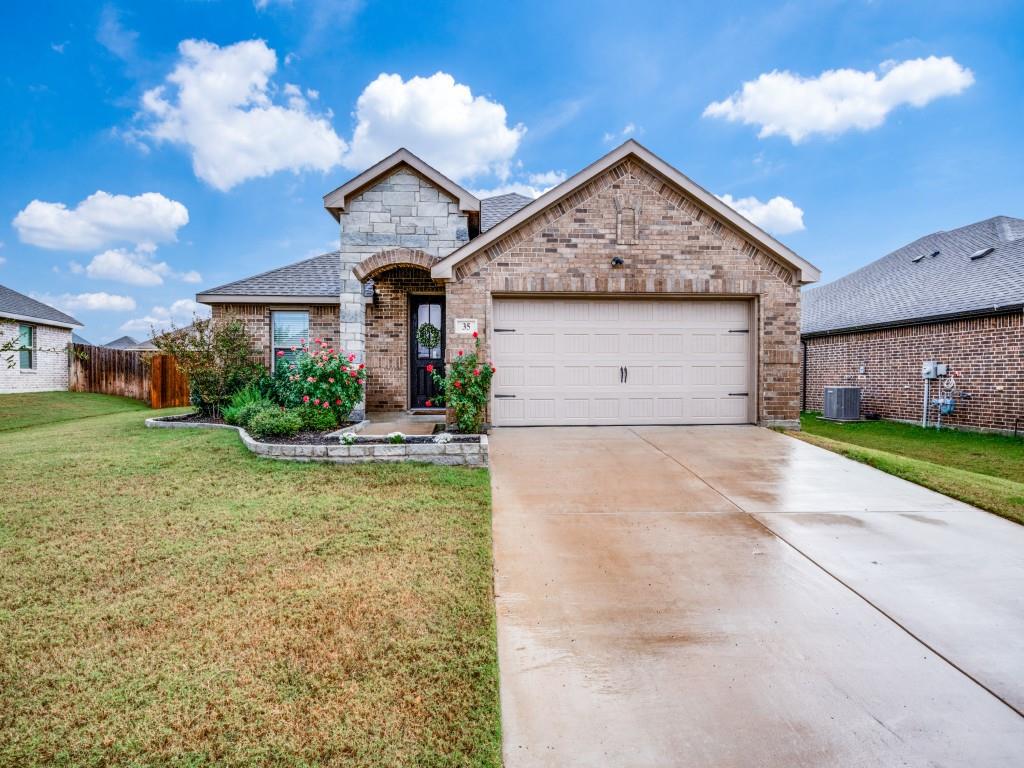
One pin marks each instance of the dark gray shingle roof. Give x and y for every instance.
(80, 339)
(902, 287)
(318, 276)
(14, 303)
(494, 210)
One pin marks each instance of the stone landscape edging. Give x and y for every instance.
(449, 454)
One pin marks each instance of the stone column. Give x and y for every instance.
(352, 333)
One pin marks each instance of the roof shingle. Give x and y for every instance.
(910, 284)
(14, 303)
(494, 210)
(318, 276)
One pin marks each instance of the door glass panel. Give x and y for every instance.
(429, 313)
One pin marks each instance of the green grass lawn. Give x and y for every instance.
(168, 598)
(29, 410)
(984, 470)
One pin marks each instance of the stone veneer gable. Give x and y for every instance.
(679, 249)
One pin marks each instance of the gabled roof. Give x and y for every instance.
(933, 277)
(806, 272)
(75, 338)
(125, 342)
(494, 210)
(336, 201)
(18, 306)
(316, 280)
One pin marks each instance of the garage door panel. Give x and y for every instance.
(561, 361)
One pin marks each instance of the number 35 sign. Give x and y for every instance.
(465, 326)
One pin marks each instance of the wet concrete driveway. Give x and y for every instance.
(729, 596)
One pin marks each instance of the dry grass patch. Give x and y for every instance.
(168, 598)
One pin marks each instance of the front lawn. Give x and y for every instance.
(980, 469)
(168, 598)
(30, 410)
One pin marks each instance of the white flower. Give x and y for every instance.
(348, 438)
(396, 437)
(443, 437)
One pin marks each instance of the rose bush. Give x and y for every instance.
(465, 387)
(320, 378)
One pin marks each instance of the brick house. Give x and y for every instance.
(953, 297)
(40, 336)
(625, 295)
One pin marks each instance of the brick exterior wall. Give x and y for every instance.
(323, 322)
(51, 360)
(387, 336)
(675, 248)
(987, 351)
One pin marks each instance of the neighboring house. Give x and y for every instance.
(76, 339)
(953, 297)
(128, 344)
(40, 363)
(625, 295)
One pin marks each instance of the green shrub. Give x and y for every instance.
(317, 418)
(240, 401)
(465, 387)
(320, 376)
(247, 411)
(274, 422)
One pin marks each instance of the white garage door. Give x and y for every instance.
(621, 361)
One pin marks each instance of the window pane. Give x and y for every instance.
(429, 313)
(26, 340)
(290, 328)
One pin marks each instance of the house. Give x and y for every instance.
(953, 297)
(128, 344)
(37, 336)
(625, 295)
(76, 339)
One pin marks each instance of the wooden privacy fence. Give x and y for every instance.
(126, 373)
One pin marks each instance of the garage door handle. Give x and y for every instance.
(504, 395)
(622, 374)
(733, 330)
(627, 375)
(739, 394)
(504, 330)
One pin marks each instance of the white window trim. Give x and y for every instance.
(273, 349)
(33, 348)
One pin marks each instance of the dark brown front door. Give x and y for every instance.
(423, 310)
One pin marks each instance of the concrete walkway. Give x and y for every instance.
(729, 596)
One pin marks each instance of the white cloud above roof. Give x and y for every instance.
(839, 100)
(76, 302)
(462, 135)
(101, 220)
(779, 215)
(220, 103)
(136, 267)
(160, 318)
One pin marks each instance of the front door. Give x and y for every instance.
(424, 311)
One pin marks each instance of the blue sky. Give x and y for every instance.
(214, 128)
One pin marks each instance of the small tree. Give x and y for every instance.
(216, 355)
(465, 387)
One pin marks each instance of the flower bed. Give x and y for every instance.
(449, 449)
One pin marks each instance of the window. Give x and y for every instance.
(429, 313)
(289, 329)
(26, 347)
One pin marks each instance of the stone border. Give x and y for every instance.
(366, 449)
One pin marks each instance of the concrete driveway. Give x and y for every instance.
(729, 596)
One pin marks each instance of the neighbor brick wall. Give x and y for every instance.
(679, 249)
(323, 322)
(387, 336)
(51, 360)
(988, 351)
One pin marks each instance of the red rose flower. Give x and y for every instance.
(331, 380)
(302, 341)
(476, 335)
(361, 382)
(361, 366)
(310, 379)
(493, 369)
(353, 374)
(305, 398)
(280, 353)
(338, 401)
(317, 340)
(429, 404)
(476, 371)
(316, 401)
(460, 353)
(429, 368)
(326, 404)
(351, 358)
(458, 385)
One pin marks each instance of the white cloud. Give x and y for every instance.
(779, 215)
(461, 135)
(628, 130)
(75, 302)
(839, 100)
(180, 313)
(100, 220)
(136, 267)
(113, 36)
(219, 103)
(2, 261)
(59, 47)
(535, 185)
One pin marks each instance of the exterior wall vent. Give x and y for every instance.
(842, 403)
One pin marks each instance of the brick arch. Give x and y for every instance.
(390, 259)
